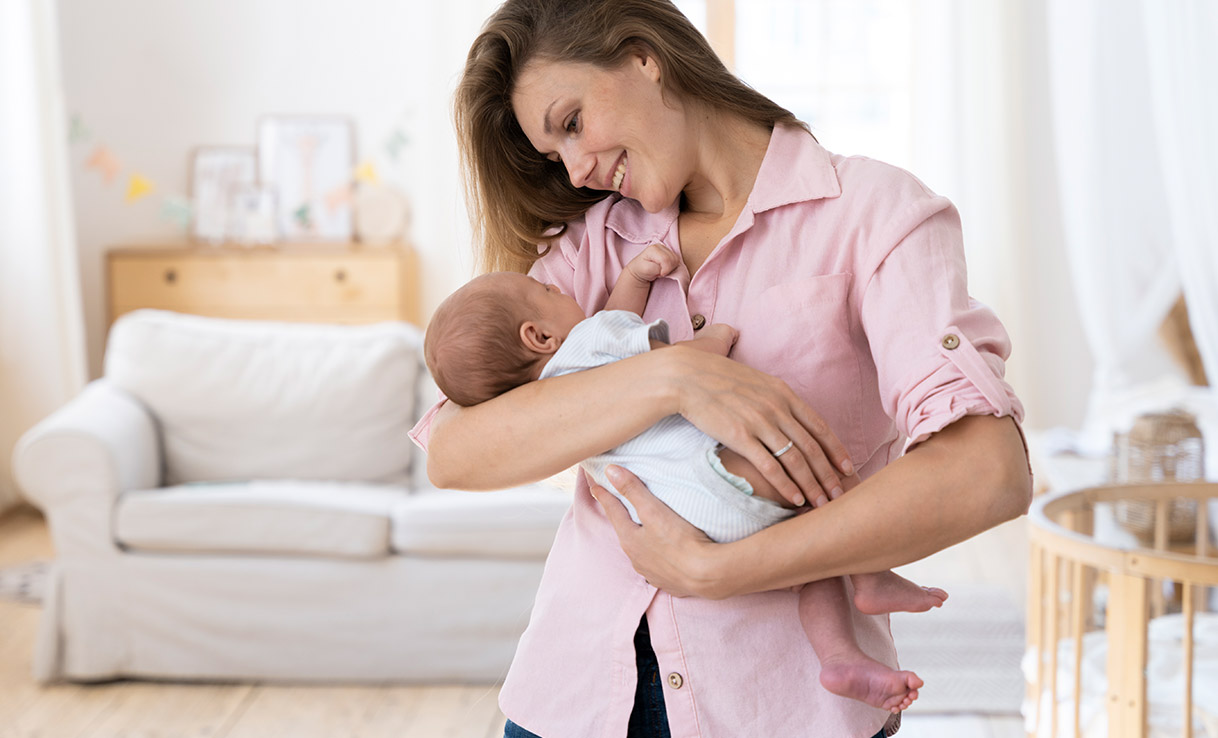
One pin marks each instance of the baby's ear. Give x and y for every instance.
(537, 339)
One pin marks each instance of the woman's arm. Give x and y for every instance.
(963, 480)
(544, 427)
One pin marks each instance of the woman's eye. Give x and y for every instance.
(573, 124)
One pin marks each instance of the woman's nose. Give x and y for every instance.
(580, 166)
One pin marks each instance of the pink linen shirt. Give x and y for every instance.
(845, 278)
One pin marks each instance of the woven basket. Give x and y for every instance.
(1161, 447)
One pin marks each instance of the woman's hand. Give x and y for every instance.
(757, 415)
(671, 554)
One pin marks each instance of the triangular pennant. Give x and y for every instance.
(366, 172)
(77, 133)
(139, 186)
(178, 210)
(395, 143)
(103, 160)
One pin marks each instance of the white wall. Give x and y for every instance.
(153, 79)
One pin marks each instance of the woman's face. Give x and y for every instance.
(610, 128)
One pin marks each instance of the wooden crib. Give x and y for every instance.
(1069, 566)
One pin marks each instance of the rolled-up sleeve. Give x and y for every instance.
(939, 354)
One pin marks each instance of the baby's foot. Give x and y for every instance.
(871, 682)
(884, 592)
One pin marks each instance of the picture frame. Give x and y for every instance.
(253, 215)
(215, 172)
(308, 160)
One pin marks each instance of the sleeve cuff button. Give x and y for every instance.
(951, 341)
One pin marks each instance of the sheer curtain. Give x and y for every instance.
(1134, 113)
(1182, 55)
(42, 350)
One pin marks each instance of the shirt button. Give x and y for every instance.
(698, 321)
(675, 681)
(950, 341)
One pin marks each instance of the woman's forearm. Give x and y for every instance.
(965, 479)
(541, 428)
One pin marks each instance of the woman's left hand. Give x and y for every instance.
(671, 554)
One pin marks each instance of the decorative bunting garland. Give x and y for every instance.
(180, 210)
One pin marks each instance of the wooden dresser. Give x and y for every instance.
(333, 283)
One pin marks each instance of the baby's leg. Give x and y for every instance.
(845, 670)
(886, 591)
(742, 467)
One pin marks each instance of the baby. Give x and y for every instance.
(504, 329)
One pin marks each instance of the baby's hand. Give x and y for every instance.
(654, 262)
(720, 335)
(717, 338)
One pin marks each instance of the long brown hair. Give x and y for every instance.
(517, 198)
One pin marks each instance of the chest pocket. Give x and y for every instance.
(799, 331)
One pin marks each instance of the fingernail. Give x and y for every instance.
(799, 500)
(821, 500)
(614, 473)
(847, 467)
(835, 493)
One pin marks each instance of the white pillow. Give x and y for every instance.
(239, 399)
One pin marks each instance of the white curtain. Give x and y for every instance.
(1182, 51)
(42, 349)
(1134, 114)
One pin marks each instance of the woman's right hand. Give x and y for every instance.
(756, 415)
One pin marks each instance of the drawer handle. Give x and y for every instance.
(171, 276)
(340, 275)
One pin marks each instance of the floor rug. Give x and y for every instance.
(24, 582)
(967, 652)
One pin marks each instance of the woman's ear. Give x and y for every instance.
(647, 63)
(538, 339)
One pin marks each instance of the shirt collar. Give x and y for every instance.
(795, 169)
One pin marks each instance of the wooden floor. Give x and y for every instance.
(151, 710)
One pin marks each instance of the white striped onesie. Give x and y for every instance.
(678, 463)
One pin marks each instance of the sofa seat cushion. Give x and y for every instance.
(289, 518)
(517, 523)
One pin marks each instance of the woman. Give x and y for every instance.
(598, 127)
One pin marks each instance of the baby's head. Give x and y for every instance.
(496, 333)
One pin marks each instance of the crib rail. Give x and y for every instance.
(1067, 565)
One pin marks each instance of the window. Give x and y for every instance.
(843, 66)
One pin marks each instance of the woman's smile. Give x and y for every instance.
(611, 128)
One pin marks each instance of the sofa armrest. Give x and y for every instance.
(75, 463)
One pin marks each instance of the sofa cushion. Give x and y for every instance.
(239, 400)
(290, 518)
(517, 523)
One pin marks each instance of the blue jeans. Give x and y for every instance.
(648, 718)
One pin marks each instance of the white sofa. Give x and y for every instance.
(239, 500)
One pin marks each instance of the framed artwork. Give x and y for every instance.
(215, 172)
(253, 217)
(308, 160)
